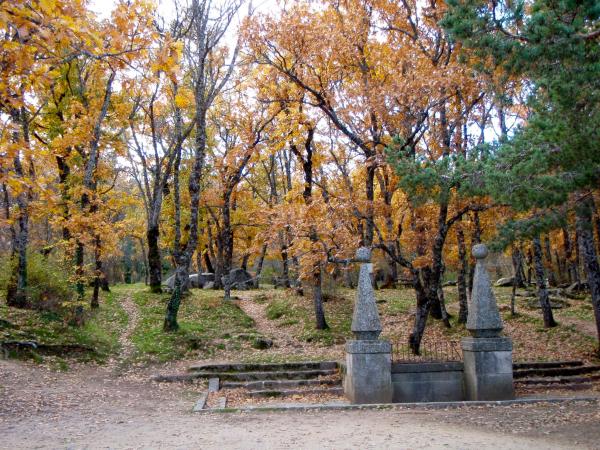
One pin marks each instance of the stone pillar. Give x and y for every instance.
(368, 376)
(488, 373)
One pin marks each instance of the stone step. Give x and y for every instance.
(265, 367)
(278, 384)
(252, 376)
(288, 392)
(555, 371)
(545, 364)
(562, 387)
(558, 380)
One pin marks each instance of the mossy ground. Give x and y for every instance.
(211, 328)
(100, 332)
(206, 325)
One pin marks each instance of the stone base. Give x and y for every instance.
(428, 382)
(488, 371)
(368, 376)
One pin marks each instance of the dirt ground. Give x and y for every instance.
(100, 407)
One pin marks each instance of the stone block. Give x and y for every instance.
(488, 369)
(368, 372)
(427, 382)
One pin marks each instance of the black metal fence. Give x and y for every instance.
(430, 351)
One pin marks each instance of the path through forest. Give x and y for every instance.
(257, 312)
(127, 347)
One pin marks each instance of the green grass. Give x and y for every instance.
(100, 332)
(397, 301)
(205, 321)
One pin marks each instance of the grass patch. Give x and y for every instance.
(203, 319)
(277, 309)
(100, 332)
(395, 302)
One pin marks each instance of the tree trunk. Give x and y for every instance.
(369, 216)
(442, 302)
(321, 323)
(16, 290)
(285, 270)
(517, 262)
(145, 258)
(79, 285)
(259, 266)
(425, 297)
(98, 273)
(154, 260)
(475, 239)
(541, 284)
(208, 263)
(461, 280)
(227, 239)
(170, 323)
(597, 222)
(529, 265)
(590, 258)
(518, 278)
(549, 263)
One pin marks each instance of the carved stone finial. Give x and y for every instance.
(480, 251)
(365, 319)
(484, 318)
(363, 254)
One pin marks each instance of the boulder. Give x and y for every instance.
(239, 279)
(525, 294)
(502, 282)
(576, 288)
(169, 283)
(262, 343)
(198, 280)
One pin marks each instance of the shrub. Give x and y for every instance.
(48, 284)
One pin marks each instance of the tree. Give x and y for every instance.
(551, 163)
(209, 71)
(154, 142)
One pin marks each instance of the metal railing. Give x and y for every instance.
(431, 351)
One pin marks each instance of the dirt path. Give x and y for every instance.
(264, 326)
(127, 346)
(91, 407)
(583, 326)
(286, 343)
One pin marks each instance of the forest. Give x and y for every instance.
(185, 147)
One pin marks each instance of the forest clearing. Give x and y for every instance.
(220, 206)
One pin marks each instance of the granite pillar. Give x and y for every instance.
(368, 376)
(487, 355)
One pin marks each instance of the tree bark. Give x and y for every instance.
(259, 266)
(461, 280)
(16, 290)
(145, 258)
(425, 297)
(321, 323)
(95, 303)
(154, 260)
(475, 239)
(590, 257)
(549, 263)
(518, 278)
(227, 239)
(541, 284)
